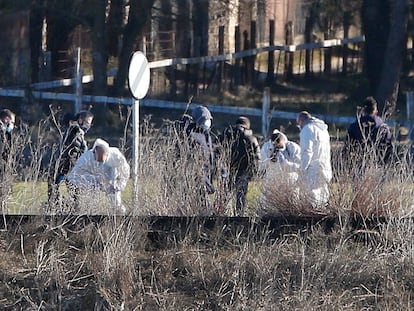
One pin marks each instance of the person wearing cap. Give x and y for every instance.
(315, 155)
(103, 168)
(72, 146)
(238, 143)
(280, 156)
(369, 132)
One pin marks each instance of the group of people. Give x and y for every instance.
(305, 167)
(102, 168)
(235, 156)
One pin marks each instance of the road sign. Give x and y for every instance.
(138, 75)
(138, 82)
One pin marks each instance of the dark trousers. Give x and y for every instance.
(53, 195)
(241, 187)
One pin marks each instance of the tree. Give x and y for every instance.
(385, 28)
(329, 16)
(139, 15)
(96, 11)
(310, 21)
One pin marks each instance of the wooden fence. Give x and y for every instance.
(262, 66)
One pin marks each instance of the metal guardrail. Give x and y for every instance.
(168, 105)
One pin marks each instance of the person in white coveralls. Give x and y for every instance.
(280, 165)
(280, 156)
(315, 166)
(102, 168)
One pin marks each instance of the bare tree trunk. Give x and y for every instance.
(346, 24)
(139, 14)
(288, 55)
(271, 58)
(327, 53)
(308, 39)
(36, 21)
(376, 22)
(114, 27)
(387, 89)
(99, 53)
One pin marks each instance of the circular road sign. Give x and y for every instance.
(138, 75)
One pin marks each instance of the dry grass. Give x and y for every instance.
(111, 266)
(361, 186)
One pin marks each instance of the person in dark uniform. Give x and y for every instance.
(243, 150)
(72, 146)
(370, 132)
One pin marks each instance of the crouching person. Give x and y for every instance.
(103, 168)
(280, 164)
(281, 158)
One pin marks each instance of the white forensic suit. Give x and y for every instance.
(316, 160)
(110, 176)
(281, 166)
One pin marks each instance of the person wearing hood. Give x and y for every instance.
(370, 131)
(280, 157)
(200, 135)
(103, 168)
(195, 145)
(315, 157)
(243, 150)
(72, 146)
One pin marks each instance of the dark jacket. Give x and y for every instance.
(370, 131)
(5, 145)
(72, 147)
(197, 142)
(243, 148)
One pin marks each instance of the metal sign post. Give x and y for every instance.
(135, 149)
(138, 82)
